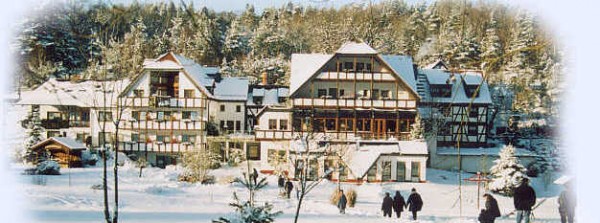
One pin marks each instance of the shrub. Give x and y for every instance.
(335, 197)
(48, 167)
(351, 196)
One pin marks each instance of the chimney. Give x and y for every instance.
(264, 78)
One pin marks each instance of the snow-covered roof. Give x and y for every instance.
(165, 64)
(356, 48)
(472, 78)
(458, 93)
(270, 96)
(81, 94)
(67, 142)
(304, 66)
(403, 66)
(438, 64)
(360, 160)
(232, 88)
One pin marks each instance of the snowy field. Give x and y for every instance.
(158, 197)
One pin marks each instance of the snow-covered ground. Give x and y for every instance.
(158, 197)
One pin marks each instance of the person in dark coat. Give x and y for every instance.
(288, 188)
(281, 184)
(415, 202)
(254, 175)
(491, 207)
(566, 205)
(342, 203)
(485, 217)
(398, 204)
(386, 206)
(524, 199)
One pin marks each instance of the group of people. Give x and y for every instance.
(414, 203)
(285, 186)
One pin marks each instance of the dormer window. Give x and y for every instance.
(443, 91)
(471, 90)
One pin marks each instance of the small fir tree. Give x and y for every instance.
(35, 135)
(507, 173)
(417, 130)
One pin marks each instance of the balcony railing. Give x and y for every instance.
(288, 134)
(63, 124)
(358, 76)
(159, 147)
(166, 124)
(163, 102)
(355, 103)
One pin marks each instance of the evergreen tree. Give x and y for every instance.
(35, 135)
(236, 41)
(507, 172)
(491, 48)
(468, 52)
(417, 130)
(248, 211)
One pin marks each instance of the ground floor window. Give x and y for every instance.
(387, 170)
(400, 171)
(253, 151)
(313, 170)
(52, 134)
(371, 173)
(415, 169)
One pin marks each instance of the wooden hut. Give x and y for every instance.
(65, 151)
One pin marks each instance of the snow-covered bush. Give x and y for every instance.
(417, 131)
(507, 172)
(351, 196)
(236, 156)
(48, 167)
(195, 166)
(89, 158)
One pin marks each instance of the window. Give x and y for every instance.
(387, 170)
(371, 173)
(186, 115)
(52, 134)
(281, 100)
(257, 100)
(188, 138)
(472, 129)
(283, 124)
(360, 66)
(238, 125)
(222, 124)
(138, 93)
(385, 94)
(135, 115)
(238, 108)
(474, 112)
(161, 138)
(441, 91)
(342, 92)
(415, 169)
(230, 126)
(188, 93)
(365, 93)
(330, 124)
(54, 115)
(135, 137)
(222, 108)
(253, 151)
(400, 171)
(375, 94)
(346, 124)
(105, 116)
(333, 92)
(272, 124)
(349, 66)
(104, 137)
(368, 67)
(321, 93)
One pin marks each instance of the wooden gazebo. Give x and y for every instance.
(65, 151)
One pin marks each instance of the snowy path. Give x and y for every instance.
(157, 197)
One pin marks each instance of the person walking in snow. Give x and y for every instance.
(485, 216)
(415, 202)
(566, 204)
(491, 208)
(254, 175)
(281, 184)
(387, 204)
(398, 204)
(524, 199)
(342, 203)
(288, 188)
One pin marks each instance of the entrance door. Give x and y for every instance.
(379, 128)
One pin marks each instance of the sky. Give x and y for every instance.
(573, 23)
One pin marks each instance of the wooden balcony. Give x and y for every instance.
(355, 103)
(158, 147)
(163, 102)
(63, 124)
(159, 125)
(272, 135)
(355, 76)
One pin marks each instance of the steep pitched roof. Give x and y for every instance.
(304, 66)
(232, 88)
(438, 64)
(356, 48)
(80, 94)
(403, 67)
(458, 94)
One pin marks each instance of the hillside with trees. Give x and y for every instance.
(511, 46)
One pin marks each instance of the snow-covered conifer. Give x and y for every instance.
(507, 172)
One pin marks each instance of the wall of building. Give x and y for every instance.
(230, 113)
